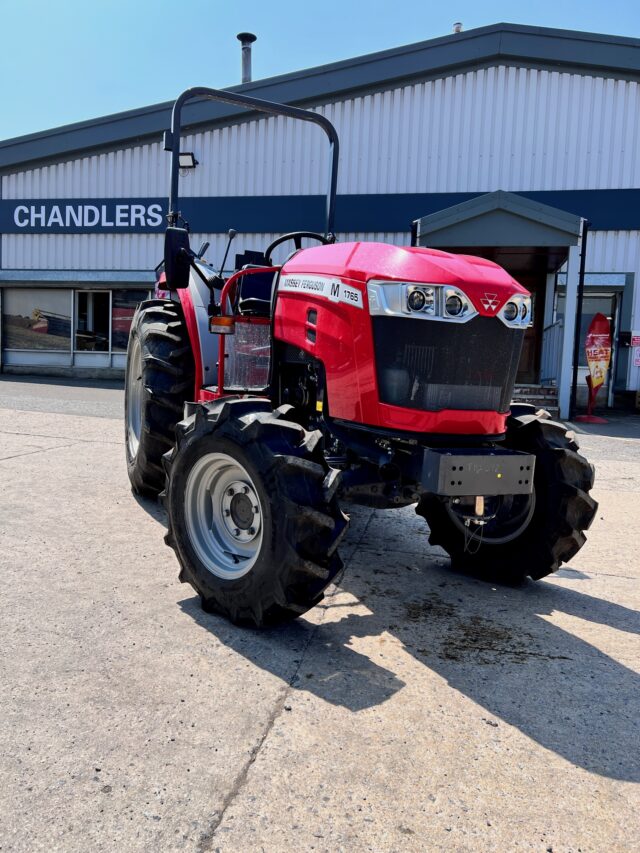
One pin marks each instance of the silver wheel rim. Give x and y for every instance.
(223, 516)
(134, 397)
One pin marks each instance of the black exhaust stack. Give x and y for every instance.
(246, 40)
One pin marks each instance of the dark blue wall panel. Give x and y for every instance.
(606, 209)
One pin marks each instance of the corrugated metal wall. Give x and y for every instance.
(497, 128)
(136, 251)
(614, 251)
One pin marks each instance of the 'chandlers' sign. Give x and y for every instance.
(81, 216)
(205, 214)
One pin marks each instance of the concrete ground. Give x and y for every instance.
(416, 709)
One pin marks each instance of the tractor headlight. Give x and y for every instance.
(511, 311)
(416, 300)
(516, 313)
(422, 301)
(454, 306)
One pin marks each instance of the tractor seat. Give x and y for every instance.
(255, 295)
(255, 307)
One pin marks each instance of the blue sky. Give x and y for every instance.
(68, 60)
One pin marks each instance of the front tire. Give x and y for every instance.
(159, 379)
(534, 536)
(252, 519)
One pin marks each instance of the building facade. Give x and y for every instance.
(501, 141)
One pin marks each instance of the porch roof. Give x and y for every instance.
(499, 219)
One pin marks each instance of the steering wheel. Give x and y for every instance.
(297, 237)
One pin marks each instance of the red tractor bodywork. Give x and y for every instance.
(341, 338)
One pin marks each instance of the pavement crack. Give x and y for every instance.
(610, 575)
(207, 838)
(357, 545)
(514, 652)
(39, 450)
(24, 434)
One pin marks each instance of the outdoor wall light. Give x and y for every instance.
(187, 160)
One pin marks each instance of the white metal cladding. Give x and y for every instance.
(139, 172)
(136, 251)
(618, 252)
(496, 128)
(81, 251)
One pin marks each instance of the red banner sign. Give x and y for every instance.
(598, 348)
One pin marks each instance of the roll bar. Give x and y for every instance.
(172, 140)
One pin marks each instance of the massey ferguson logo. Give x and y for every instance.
(490, 301)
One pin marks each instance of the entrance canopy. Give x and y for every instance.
(498, 219)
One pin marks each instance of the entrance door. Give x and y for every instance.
(595, 302)
(92, 321)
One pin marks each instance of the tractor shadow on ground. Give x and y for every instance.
(153, 507)
(493, 643)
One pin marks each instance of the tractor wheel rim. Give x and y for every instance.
(223, 516)
(134, 397)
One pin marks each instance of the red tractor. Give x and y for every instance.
(353, 372)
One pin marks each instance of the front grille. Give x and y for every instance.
(431, 365)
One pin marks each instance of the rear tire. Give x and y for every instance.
(269, 557)
(159, 379)
(552, 532)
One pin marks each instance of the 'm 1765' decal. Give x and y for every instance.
(329, 288)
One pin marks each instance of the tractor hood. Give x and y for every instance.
(361, 262)
(443, 361)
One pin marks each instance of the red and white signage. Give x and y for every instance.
(598, 347)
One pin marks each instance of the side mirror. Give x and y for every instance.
(177, 257)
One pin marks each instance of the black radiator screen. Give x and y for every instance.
(432, 365)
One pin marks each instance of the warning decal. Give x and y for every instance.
(330, 288)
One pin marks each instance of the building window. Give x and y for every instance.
(92, 321)
(37, 319)
(124, 304)
(65, 327)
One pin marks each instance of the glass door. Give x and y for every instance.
(92, 328)
(595, 302)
